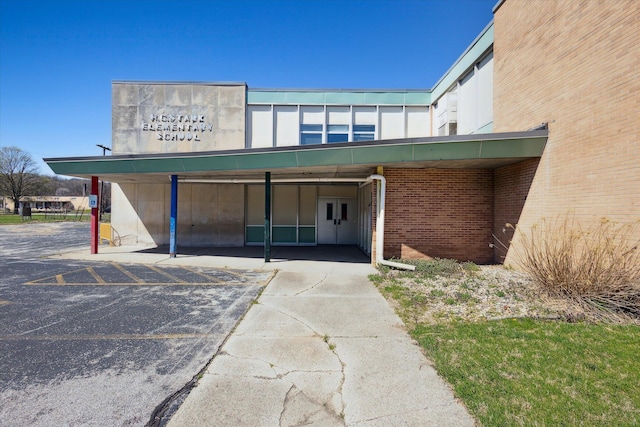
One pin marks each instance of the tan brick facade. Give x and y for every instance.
(576, 65)
(445, 213)
(511, 187)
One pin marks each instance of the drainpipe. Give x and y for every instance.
(381, 190)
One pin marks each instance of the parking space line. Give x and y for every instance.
(95, 275)
(201, 274)
(59, 278)
(164, 273)
(127, 273)
(232, 278)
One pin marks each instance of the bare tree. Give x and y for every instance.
(18, 174)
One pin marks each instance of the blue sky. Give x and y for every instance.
(58, 58)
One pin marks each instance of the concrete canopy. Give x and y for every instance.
(328, 161)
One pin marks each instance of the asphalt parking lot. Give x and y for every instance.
(98, 343)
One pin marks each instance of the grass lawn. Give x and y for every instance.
(17, 219)
(522, 372)
(516, 371)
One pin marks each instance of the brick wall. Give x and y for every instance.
(576, 65)
(444, 213)
(511, 187)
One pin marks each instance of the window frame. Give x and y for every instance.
(364, 132)
(340, 131)
(311, 130)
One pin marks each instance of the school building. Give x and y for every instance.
(46, 203)
(539, 117)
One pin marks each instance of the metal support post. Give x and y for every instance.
(267, 216)
(173, 221)
(94, 217)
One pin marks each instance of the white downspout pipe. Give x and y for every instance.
(381, 190)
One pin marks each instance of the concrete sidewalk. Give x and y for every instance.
(324, 348)
(320, 347)
(310, 258)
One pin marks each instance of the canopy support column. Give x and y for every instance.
(94, 215)
(267, 216)
(173, 221)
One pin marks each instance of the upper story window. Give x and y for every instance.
(364, 132)
(337, 133)
(288, 125)
(310, 134)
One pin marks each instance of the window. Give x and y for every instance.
(329, 211)
(310, 134)
(364, 132)
(337, 133)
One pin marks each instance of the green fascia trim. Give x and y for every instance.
(381, 98)
(265, 97)
(304, 98)
(345, 98)
(510, 148)
(325, 157)
(466, 61)
(384, 154)
(417, 98)
(487, 146)
(155, 164)
(269, 160)
(459, 151)
(208, 163)
(307, 97)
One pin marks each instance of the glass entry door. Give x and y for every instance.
(337, 221)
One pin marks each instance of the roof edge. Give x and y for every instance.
(320, 90)
(182, 83)
(540, 133)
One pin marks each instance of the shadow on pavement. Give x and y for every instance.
(330, 253)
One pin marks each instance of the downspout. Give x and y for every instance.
(381, 190)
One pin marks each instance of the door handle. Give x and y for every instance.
(338, 222)
(334, 222)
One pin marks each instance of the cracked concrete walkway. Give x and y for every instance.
(321, 347)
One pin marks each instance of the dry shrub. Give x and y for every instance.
(597, 266)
